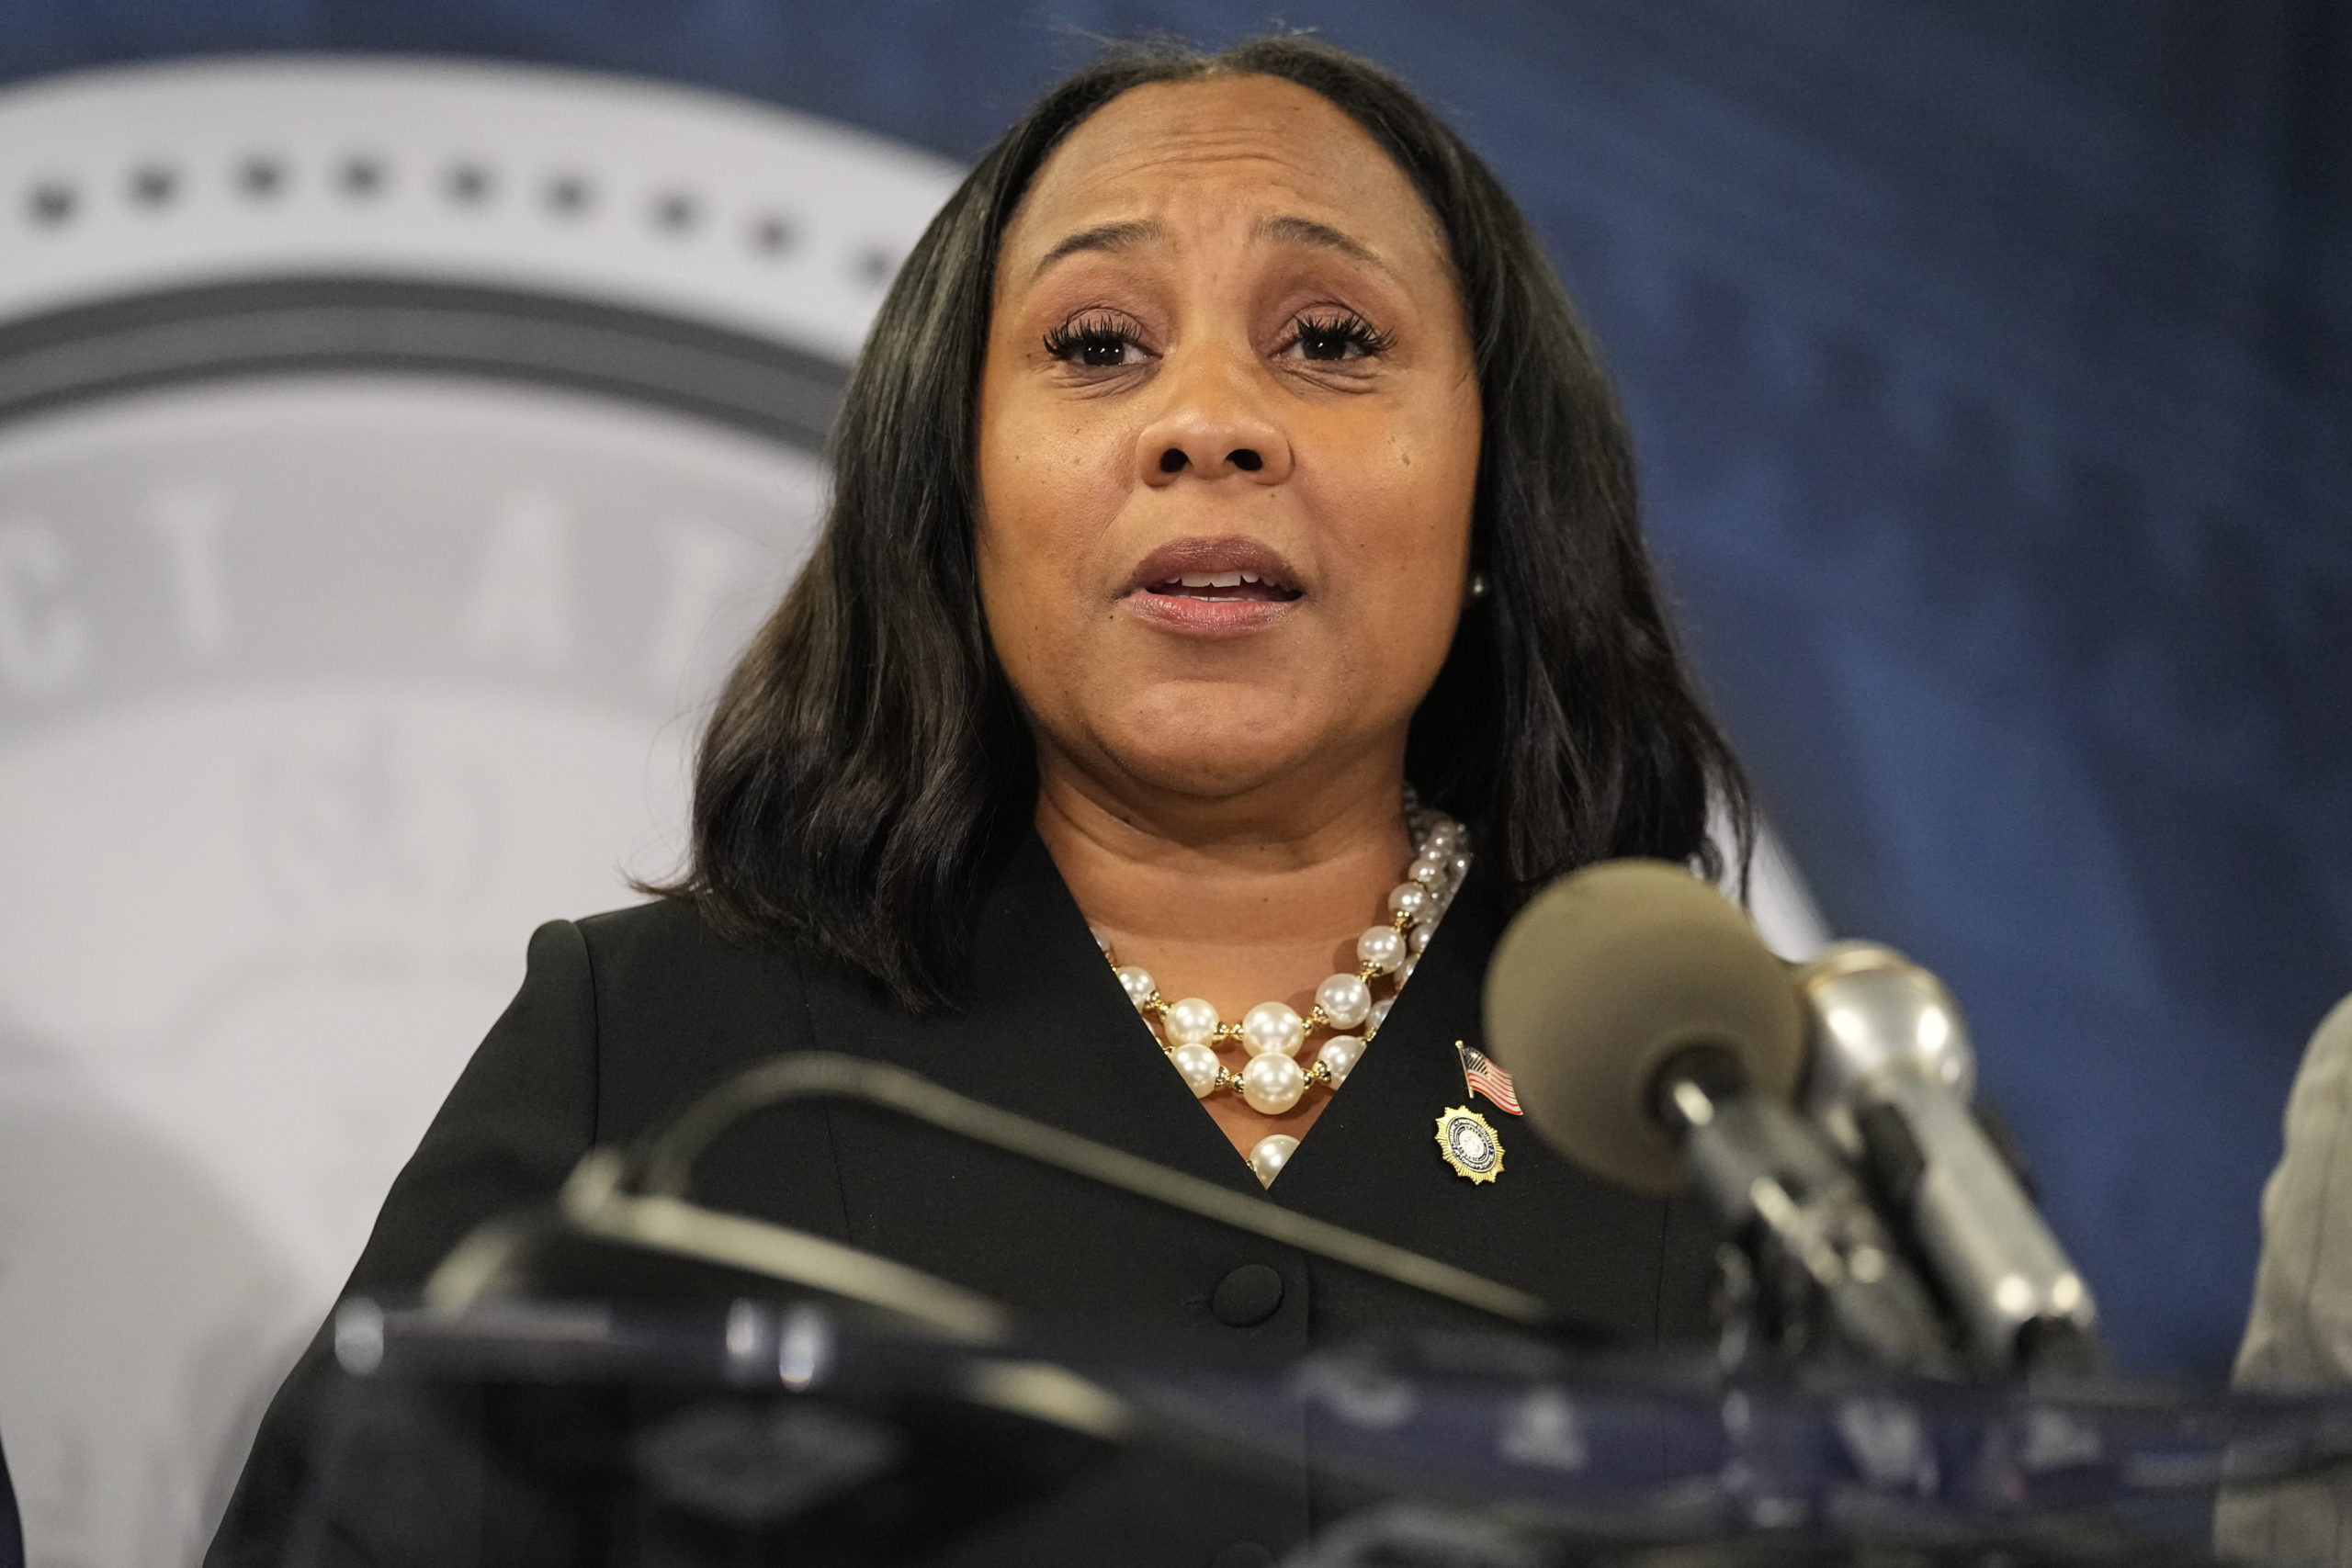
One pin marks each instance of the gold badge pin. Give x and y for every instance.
(1469, 1145)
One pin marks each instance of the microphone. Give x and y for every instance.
(1654, 1039)
(1891, 1081)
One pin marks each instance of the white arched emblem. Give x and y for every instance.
(390, 454)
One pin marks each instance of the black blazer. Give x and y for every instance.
(12, 1535)
(625, 1018)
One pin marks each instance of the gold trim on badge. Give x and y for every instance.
(1469, 1145)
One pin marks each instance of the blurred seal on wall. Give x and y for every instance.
(391, 454)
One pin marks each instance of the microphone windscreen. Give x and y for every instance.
(1606, 974)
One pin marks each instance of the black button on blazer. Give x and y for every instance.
(625, 1018)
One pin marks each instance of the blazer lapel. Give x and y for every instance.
(1371, 1162)
(1384, 1116)
(1053, 1036)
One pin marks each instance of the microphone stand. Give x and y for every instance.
(638, 1200)
(1815, 1263)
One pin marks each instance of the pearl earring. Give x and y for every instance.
(1477, 585)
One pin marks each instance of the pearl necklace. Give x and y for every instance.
(1273, 1033)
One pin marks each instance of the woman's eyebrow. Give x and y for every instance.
(1102, 237)
(1307, 231)
(1288, 229)
(1291, 231)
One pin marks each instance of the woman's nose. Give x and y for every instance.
(1213, 426)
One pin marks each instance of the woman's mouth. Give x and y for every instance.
(1225, 585)
(1214, 587)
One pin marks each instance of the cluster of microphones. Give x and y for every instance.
(1825, 1113)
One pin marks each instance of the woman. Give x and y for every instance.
(1225, 456)
(2299, 1334)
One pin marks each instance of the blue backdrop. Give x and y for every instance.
(1989, 363)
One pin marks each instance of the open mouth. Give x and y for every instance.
(1231, 586)
(1225, 585)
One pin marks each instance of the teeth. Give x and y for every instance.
(1218, 579)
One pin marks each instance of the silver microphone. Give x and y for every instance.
(1654, 1039)
(1892, 1080)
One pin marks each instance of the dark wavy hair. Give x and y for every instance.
(866, 761)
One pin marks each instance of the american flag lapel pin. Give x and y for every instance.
(1466, 1139)
(1487, 1079)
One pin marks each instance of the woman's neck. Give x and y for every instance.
(1241, 899)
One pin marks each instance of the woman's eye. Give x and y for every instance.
(1094, 346)
(1331, 338)
(1103, 351)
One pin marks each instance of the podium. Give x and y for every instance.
(813, 1431)
(627, 1380)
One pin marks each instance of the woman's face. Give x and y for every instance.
(1228, 439)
